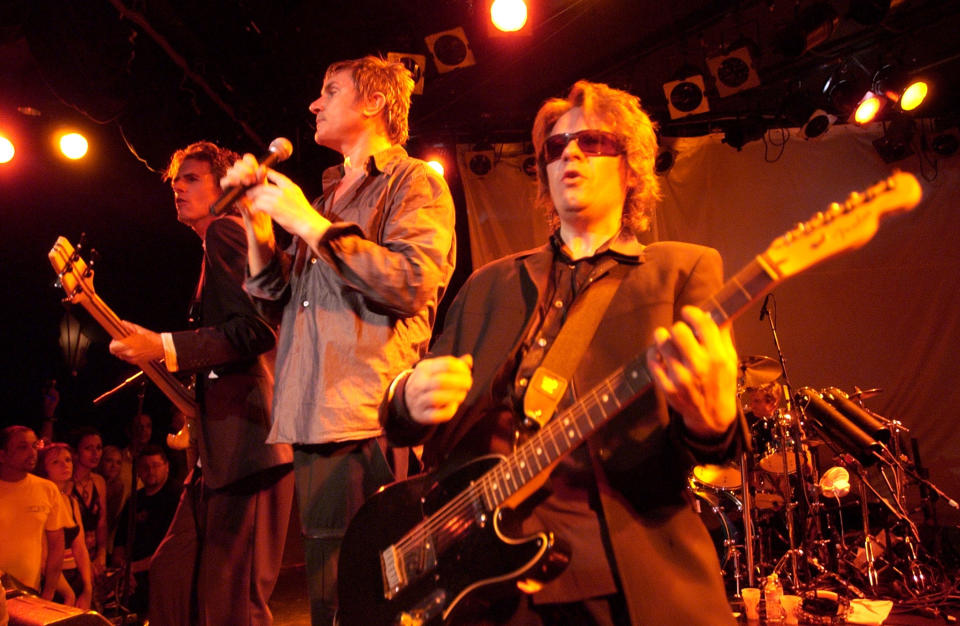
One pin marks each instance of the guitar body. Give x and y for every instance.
(449, 580)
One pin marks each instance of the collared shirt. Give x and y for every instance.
(362, 311)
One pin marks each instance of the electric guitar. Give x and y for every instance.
(77, 281)
(418, 550)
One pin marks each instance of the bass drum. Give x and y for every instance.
(716, 508)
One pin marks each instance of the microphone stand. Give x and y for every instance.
(791, 531)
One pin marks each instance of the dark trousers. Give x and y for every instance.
(221, 556)
(333, 481)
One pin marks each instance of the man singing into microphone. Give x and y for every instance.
(360, 284)
(225, 543)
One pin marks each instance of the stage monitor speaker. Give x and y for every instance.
(29, 610)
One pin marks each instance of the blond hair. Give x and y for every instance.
(622, 114)
(373, 75)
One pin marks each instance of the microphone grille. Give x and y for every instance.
(282, 147)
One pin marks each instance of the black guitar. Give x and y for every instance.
(420, 549)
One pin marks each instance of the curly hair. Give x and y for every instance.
(620, 113)
(373, 75)
(220, 159)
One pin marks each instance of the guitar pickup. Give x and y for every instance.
(398, 571)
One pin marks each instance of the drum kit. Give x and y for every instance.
(819, 497)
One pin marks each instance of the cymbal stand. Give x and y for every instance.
(747, 498)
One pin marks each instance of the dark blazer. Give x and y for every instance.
(664, 557)
(236, 345)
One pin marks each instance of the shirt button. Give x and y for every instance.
(306, 303)
(542, 342)
(522, 382)
(558, 304)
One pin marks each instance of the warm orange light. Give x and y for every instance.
(6, 150)
(868, 108)
(913, 95)
(73, 145)
(508, 15)
(436, 165)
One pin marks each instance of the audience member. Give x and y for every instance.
(155, 505)
(75, 585)
(117, 491)
(30, 509)
(90, 491)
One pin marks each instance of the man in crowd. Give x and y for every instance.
(233, 515)
(638, 552)
(30, 508)
(360, 285)
(156, 503)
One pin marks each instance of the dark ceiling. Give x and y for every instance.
(144, 77)
(243, 71)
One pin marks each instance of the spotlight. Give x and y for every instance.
(436, 165)
(6, 150)
(945, 144)
(870, 106)
(480, 164)
(894, 83)
(73, 146)
(685, 96)
(817, 124)
(813, 26)
(415, 64)
(844, 90)
(450, 49)
(508, 16)
(733, 71)
(664, 162)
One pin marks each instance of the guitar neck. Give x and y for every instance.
(76, 280)
(573, 425)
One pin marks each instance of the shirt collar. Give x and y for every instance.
(623, 246)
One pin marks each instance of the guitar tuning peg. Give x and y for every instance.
(94, 256)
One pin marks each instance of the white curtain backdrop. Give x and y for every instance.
(885, 316)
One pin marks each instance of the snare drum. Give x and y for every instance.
(721, 477)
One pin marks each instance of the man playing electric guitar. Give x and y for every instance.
(638, 554)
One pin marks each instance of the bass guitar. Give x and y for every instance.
(76, 277)
(418, 550)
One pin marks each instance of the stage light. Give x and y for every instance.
(508, 16)
(450, 49)
(6, 150)
(843, 91)
(664, 161)
(436, 165)
(869, 108)
(685, 95)
(913, 95)
(415, 64)
(733, 71)
(73, 146)
(480, 164)
(817, 124)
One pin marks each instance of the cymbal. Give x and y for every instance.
(863, 394)
(758, 370)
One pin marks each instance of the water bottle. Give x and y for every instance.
(772, 592)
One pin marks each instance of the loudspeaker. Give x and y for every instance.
(28, 610)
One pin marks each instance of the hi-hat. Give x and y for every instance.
(758, 370)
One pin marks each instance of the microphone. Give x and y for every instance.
(280, 150)
(763, 309)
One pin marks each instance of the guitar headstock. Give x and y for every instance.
(75, 276)
(842, 226)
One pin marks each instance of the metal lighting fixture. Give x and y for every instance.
(817, 124)
(843, 91)
(897, 86)
(685, 95)
(733, 71)
(450, 49)
(415, 64)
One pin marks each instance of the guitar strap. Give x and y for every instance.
(550, 381)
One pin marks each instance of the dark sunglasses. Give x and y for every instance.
(591, 142)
